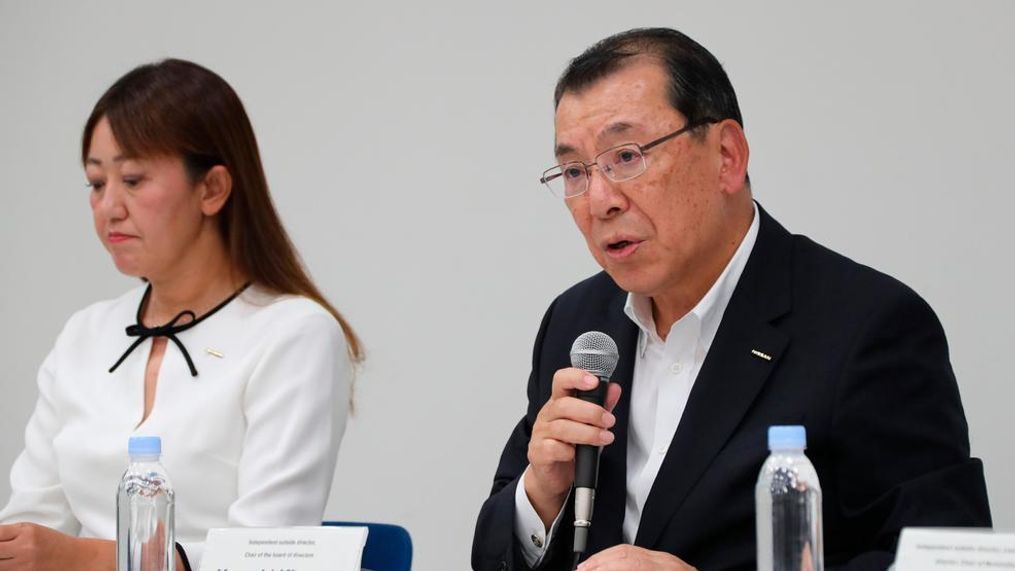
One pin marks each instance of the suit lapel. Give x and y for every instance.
(730, 378)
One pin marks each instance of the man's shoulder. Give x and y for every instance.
(817, 262)
(815, 265)
(824, 276)
(595, 293)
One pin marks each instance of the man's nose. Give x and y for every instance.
(605, 197)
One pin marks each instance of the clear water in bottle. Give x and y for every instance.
(144, 511)
(788, 505)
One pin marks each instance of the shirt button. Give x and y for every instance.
(675, 368)
(537, 541)
(661, 450)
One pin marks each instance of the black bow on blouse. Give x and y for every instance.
(170, 329)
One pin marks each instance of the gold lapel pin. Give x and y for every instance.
(761, 355)
(213, 352)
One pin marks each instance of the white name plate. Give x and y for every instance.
(284, 549)
(933, 549)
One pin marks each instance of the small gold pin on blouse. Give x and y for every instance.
(761, 355)
(213, 352)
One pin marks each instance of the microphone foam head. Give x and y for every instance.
(596, 353)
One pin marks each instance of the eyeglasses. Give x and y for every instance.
(618, 164)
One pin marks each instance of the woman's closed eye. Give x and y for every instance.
(133, 181)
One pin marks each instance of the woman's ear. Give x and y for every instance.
(215, 189)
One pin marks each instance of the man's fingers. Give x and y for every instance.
(548, 450)
(572, 408)
(612, 396)
(629, 557)
(571, 432)
(567, 380)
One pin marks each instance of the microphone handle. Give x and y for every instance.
(586, 463)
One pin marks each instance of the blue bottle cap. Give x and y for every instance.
(787, 438)
(144, 446)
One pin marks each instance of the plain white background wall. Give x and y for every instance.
(404, 143)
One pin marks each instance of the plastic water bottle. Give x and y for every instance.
(788, 505)
(144, 511)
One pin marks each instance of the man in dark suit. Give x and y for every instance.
(726, 324)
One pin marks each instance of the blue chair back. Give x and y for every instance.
(389, 547)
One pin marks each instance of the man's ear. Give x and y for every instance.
(733, 152)
(215, 189)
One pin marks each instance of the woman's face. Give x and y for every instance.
(147, 212)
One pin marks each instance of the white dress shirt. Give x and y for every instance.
(251, 441)
(664, 372)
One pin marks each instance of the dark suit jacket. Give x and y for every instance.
(856, 357)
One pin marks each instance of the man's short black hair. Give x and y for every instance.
(698, 86)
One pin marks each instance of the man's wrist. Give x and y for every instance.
(547, 506)
(532, 533)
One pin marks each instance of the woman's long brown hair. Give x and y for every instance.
(179, 108)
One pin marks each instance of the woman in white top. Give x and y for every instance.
(228, 351)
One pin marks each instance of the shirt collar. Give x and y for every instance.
(709, 310)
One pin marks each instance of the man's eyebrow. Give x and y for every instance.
(617, 128)
(561, 150)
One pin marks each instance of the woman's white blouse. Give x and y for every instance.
(251, 441)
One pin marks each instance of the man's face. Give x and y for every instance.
(653, 232)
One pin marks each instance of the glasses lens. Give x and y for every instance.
(566, 180)
(575, 179)
(622, 163)
(552, 179)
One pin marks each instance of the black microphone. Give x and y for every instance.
(596, 353)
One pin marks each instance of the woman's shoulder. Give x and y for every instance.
(263, 305)
(282, 319)
(117, 312)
